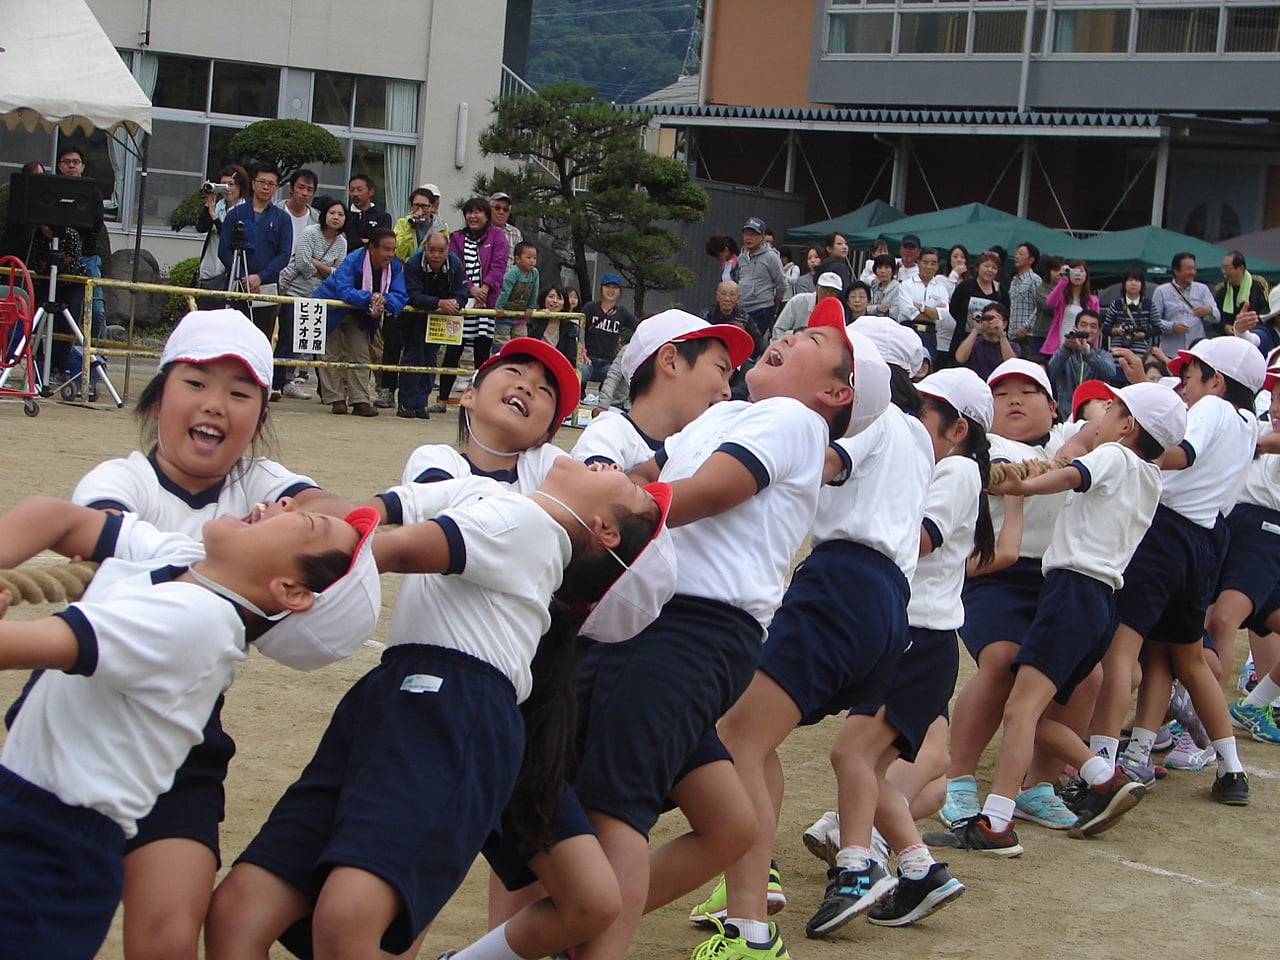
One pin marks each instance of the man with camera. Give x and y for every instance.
(423, 220)
(1082, 358)
(987, 344)
(256, 243)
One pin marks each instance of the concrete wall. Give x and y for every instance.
(760, 52)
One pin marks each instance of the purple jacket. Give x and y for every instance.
(493, 259)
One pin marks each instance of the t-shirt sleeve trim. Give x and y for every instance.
(108, 505)
(394, 507)
(846, 469)
(749, 460)
(294, 489)
(86, 640)
(107, 539)
(1189, 450)
(1086, 478)
(599, 458)
(661, 456)
(433, 475)
(934, 532)
(457, 545)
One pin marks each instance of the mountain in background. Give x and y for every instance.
(625, 48)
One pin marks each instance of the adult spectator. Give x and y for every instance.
(858, 300)
(364, 217)
(908, 257)
(560, 332)
(1073, 293)
(1241, 295)
(1186, 307)
(318, 252)
(790, 270)
(302, 190)
(884, 288)
(1052, 267)
(957, 266)
(482, 248)
(500, 211)
(1131, 320)
(760, 278)
(724, 249)
(879, 248)
(795, 315)
(605, 321)
(436, 283)
(1081, 358)
(987, 345)
(808, 278)
(1022, 293)
(71, 163)
(973, 295)
(264, 233)
(924, 303)
(728, 309)
(212, 272)
(836, 257)
(423, 220)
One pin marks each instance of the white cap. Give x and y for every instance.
(898, 344)
(870, 378)
(1157, 409)
(831, 280)
(343, 615)
(638, 596)
(1173, 383)
(964, 390)
(203, 336)
(676, 325)
(1017, 367)
(430, 188)
(1232, 357)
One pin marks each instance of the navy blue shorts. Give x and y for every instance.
(61, 873)
(922, 685)
(509, 855)
(404, 785)
(1169, 582)
(1000, 606)
(1252, 563)
(654, 700)
(1072, 632)
(834, 642)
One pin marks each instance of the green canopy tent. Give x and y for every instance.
(873, 214)
(932, 223)
(1153, 248)
(983, 235)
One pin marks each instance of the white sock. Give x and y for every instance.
(1267, 691)
(999, 810)
(915, 861)
(1097, 771)
(492, 946)
(752, 931)
(853, 858)
(1140, 743)
(1228, 758)
(1108, 748)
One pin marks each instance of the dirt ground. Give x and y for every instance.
(1182, 875)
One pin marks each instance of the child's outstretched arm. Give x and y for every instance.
(45, 644)
(1055, 481)
(46, 523)
(720, 484)
(415, 548)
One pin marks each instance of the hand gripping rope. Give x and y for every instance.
(1002, 471)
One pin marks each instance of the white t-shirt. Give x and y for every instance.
(1262, 479)
(951, 516)
(741, 557)
(1106, 517)
(507, 556)
(439, 461)
(1038, 513)
(613, 437)
(111, 735)
(879, 505)
(1220, 442)
(136, 485)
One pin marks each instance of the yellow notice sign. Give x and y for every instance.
(442, 328)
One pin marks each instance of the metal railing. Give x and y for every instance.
(512, 84)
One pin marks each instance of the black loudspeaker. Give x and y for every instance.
(48, 200)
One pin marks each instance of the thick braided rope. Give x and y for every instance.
(1001, 471)
(47, 583)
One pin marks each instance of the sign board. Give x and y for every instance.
(442, 328)
(310, 318)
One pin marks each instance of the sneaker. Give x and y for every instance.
(1164, 739)
(385, 398)
(405, 412)
(1187, 756)
(1183, 711)
(1259, 721)
(727, 944)
(437, 408)
(961, 802)
(1231, 789)
(421, 414)
(975, 833)
(715, 907)
(1039, 804)
(295, 392)
(1072, 793)
(1102, 806)
(849, 893)
(823, 838)
(1248, 678)
(914, 900)
(1143, 773)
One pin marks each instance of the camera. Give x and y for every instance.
(213, 186)
(1077, 335)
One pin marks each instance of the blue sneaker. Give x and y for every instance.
(849, 893)
(1039, 804)
(962, 801)
(1259, 721)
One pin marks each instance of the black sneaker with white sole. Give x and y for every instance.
(849, 893)
(1231, 789)
(914, 900)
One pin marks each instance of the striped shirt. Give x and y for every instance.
(473, 327)
(1022, 301)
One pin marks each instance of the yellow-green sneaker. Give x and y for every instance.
(727, 944)
(715, 907)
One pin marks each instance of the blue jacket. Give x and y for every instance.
(344, 284)
(427, 289)
(268, 240)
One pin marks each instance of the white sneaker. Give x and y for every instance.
(295, 392)
(880, 851)
(823, 838)
(1186, 755)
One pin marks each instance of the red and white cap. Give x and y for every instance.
(1232, 357)
(1271, 378)
(1017, 367)
(557, 364)
(1089, 390)
(898, 344)
(964, 390)
(1157, 409)
(674, 326)
(343, 615)
(870, 378)
(638, 596)
(203, 336)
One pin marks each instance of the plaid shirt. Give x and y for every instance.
(1022, 301)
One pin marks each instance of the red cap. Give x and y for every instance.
(562, 371)
(1089, 390)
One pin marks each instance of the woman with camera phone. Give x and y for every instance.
(1072, 295)
(973, 295)
(220, 195)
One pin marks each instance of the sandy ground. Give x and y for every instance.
(1182, 875)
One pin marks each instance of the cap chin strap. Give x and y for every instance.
(471, 434)
(229, 594)
(565, 506)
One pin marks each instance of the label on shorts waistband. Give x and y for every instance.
(1270, 527)
(421, 683)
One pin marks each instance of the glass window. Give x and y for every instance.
(182, 83)
(371, 158)
(932, 32)
(176, 146)
(371, 103)
(1253, 30)
(861, 33)
(219, 153)
(331, 98)
(246, 90)
(387, 105)
(164, 192)
(1178, 31)
(17, 147)
(1091, 31)
(999, 31)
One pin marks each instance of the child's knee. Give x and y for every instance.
(592, 909)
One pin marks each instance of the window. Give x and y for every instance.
(1091, 31)
(1253, 30)
(246, 90)
(1000, 31)
(861, 33)
(1178, 31)
(182, 83)
(932, 32)
(367, 103)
